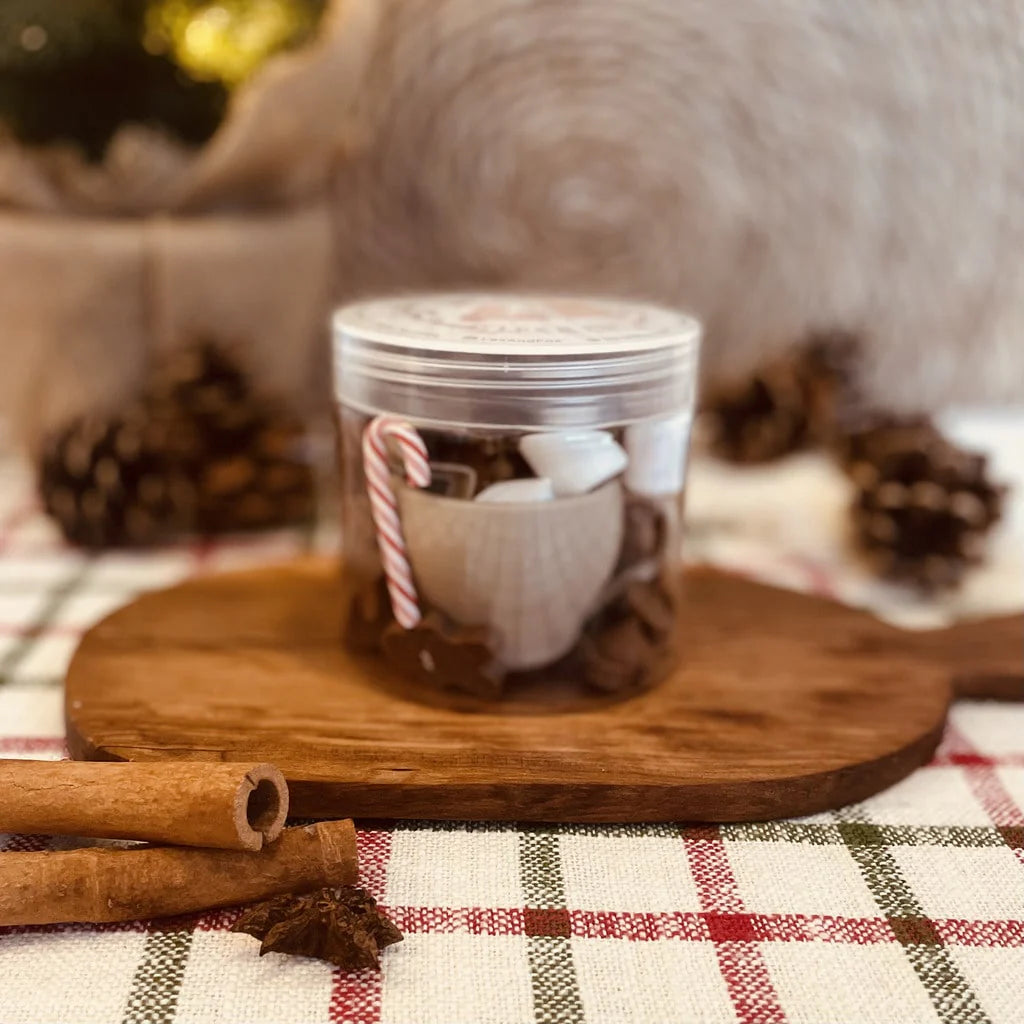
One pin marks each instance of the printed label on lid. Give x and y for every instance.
(516, 325)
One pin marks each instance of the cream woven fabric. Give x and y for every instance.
(907, 909)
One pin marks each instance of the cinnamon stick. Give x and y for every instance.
(227, 806)
(101, 885)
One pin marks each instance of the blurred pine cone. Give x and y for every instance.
(923, 506)
(199, 452)
(794, 403)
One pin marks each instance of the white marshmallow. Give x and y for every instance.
(524, 491)
(575, 461)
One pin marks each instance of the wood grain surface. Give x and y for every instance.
(784, 705)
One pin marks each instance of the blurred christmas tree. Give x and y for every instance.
(76, 70)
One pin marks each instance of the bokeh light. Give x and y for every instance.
(227, 40)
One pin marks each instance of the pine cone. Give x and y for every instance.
(791, 404)
(198, 453)
(923, 506)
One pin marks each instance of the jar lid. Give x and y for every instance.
(515, 361)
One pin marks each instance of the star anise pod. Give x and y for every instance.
(342, 926)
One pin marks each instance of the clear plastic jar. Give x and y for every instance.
(513, 472)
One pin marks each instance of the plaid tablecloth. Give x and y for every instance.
(907, 908)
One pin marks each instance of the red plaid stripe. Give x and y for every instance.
(743, 968)
(15, 519)
(956, 750)
(75, 929)
(54, 629)
(817, 578)
(975, 760)
(31, 745)
(990, 792)
(630, 927)
(356, 998)
(683, 927)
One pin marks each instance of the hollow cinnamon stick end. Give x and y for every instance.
(261, 806)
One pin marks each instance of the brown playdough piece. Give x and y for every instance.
(618, 658)
(653, 606)
(644, 533)
(438, 654)
(628, 645)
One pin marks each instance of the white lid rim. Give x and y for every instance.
(526, 376)
(671, 328)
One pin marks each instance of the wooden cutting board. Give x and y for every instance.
(784, 705)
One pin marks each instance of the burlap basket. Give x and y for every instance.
(104, 267)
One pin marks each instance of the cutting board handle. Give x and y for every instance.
(984, 658)
(989, 686)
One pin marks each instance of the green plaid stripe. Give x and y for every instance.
(60, 594)
(44, 681)
(556, 994)
(863, 834)
(153, 998)
(807, 833)
(948, 989)
(664, 830)
(21, 587)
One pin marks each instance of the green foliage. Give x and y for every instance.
(76, 70)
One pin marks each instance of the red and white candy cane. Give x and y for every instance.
(384, 506)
